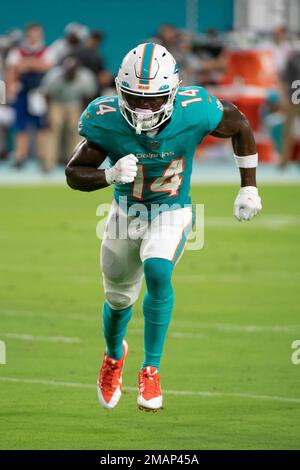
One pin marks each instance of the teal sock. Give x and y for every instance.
(157, 308)
(114, 329)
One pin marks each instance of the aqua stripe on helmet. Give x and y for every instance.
(146, 64)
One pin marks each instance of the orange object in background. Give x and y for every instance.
(247, 99)
(249, 75)
(246, 71)
(210, 140)
(265, 150)
(250, 106)
(250, 67)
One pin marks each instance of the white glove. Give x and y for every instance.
(247, 203)
(124, 171)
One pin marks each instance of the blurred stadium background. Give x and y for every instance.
(245, 51)
(227, 361)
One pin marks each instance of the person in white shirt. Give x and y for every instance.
(68, 88)
(25, 68)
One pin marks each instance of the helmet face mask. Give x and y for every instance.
(146, 85)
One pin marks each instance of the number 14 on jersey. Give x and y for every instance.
(169, 182)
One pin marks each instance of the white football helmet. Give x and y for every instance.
(146, 84)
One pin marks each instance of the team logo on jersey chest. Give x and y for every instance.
(155, 155)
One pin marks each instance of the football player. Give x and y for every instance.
(150, 132)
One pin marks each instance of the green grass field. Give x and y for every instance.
(229, 344)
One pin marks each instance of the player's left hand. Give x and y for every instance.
(247, 203)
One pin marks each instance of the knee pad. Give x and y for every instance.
(121, 295)
(117, 301)
(158, 275)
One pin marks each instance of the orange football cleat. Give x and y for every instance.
(110, 379)
(149, 391)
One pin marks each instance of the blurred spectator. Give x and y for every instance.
(169, 37)
(68, 89)
(282, 48)
(8, 41)
(70, 44)
(90, 57)
(7, 113)
(188, 62)
(26, 66)
(201, 60)
(213, 44)
(210, 52)
(7, 118)
(4, 46)
(179, 44)
(273, 119)
(291, 91)
(280, 45)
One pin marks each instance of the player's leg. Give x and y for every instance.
(159, 252)
(158, 305)
(122, 278)
(21, 124)
(41, 143)
(288, 134)
(73, 138)
(56, 117)
(21, 151)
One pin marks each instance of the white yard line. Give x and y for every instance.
(220, 327)
(171, 334)
(44, 314)
(190, 393)
(48, 339)
(291, 277)
(266, 221)
(231, 328)
(228, 327)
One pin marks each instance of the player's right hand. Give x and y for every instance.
(124, 171)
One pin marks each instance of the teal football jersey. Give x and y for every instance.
(165, 160)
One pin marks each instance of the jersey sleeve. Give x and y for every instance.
(199, 110)
(214, 112)
(88, 128)
(95, 126)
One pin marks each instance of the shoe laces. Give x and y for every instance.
(149, 382)
(110, 370)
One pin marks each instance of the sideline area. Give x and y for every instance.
(203, 172)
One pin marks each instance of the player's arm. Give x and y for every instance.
(83, 173)
(235, 125)
(82, 170)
